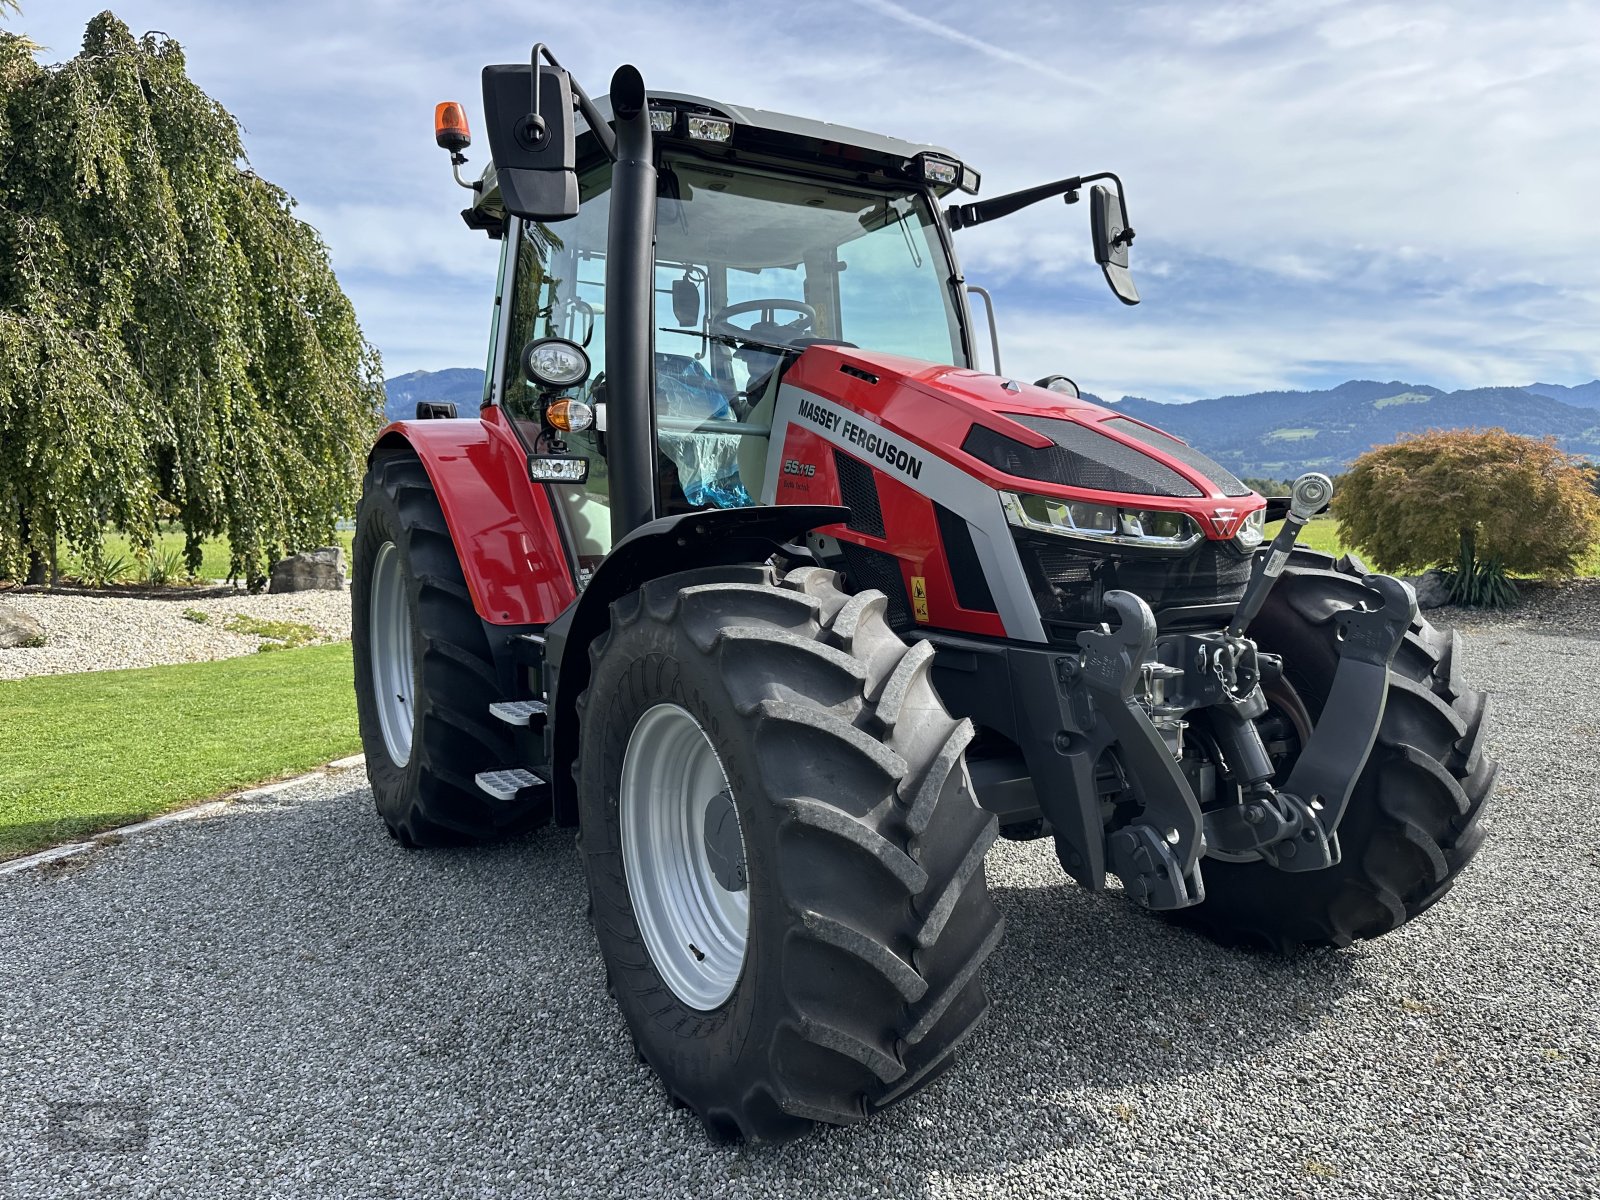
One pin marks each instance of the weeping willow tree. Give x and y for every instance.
(173, 342)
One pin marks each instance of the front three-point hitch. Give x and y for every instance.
(1143, 686)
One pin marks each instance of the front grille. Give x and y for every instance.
(1184, 453)
(858, 492)
(865, 568)
(1069, 580)
(1081, 457)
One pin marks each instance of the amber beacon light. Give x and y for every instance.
(450, 127)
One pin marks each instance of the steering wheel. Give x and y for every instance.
(767, 329)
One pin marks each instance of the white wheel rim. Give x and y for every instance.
(695, 927)
(393, 667)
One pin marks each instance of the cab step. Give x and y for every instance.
(518, 712)
(507, 785)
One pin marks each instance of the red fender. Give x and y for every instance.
(502, 523)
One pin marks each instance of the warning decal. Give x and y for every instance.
(919, 597)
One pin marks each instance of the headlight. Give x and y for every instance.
(1152, 528)
(555, 363)
(1253, 531)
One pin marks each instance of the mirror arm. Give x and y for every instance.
(962, 216)
(597, 124)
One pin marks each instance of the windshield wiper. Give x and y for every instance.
(733, 343)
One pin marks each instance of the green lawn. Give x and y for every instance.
(213, 563)
(1322, 534)
(83, 753)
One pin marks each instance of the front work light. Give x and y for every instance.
(947, 172)
(555, 364)
(710, 129)
(939, 170)
(558, 468)
(662, 120)
(1151, 528)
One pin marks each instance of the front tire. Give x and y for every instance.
(1414, 820)
(424, 672)
(766, 768)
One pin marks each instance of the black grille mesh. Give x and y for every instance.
(1081, 457)
(859, 494)
(1187, 455)
(865, 568)
(1069, 580)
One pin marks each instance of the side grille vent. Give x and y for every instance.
(859, 493)
(865, 568)
(1081, 457)
(1187, 455)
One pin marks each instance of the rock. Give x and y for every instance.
(1433, 589)
(17, 628)
(314, 571)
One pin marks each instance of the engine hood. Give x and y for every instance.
(1022, 438)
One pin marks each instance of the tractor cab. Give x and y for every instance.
(807, 234)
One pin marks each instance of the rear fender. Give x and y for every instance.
(502, 523)
(717, 537)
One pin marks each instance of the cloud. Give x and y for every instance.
(950, 33)
(1318, 186)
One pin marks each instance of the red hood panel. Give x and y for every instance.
(935, 405)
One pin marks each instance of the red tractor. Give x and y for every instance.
(748, 572)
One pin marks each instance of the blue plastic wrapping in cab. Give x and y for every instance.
(707, 461)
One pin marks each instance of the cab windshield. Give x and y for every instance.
(749, 263)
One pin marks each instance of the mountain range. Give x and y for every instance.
(1274, 435)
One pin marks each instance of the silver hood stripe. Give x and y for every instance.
(924, 472)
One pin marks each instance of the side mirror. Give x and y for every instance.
(685, 303)
(533, 145)
(1112, 237)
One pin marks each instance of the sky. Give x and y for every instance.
(1321, 190)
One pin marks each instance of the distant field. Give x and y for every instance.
(213, 561)
(1323, 534)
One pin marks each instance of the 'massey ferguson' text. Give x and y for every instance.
(891, 453)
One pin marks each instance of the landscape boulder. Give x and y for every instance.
(1433, 589)
(17, 628)
(313, 571)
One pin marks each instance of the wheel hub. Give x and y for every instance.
(724, 842)
(684, 857)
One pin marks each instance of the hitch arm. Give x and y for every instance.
(1335, 755)
(1309, 496)
(1157, 856)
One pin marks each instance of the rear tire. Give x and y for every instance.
(1413, 821)
(866, 913)
(440, 733)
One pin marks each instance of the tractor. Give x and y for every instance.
(748, 571)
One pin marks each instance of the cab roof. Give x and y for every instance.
(757, 131)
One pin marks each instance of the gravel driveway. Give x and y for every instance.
(285, 1003)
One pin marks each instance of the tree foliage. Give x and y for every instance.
(1466, 498)
(173, 342)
